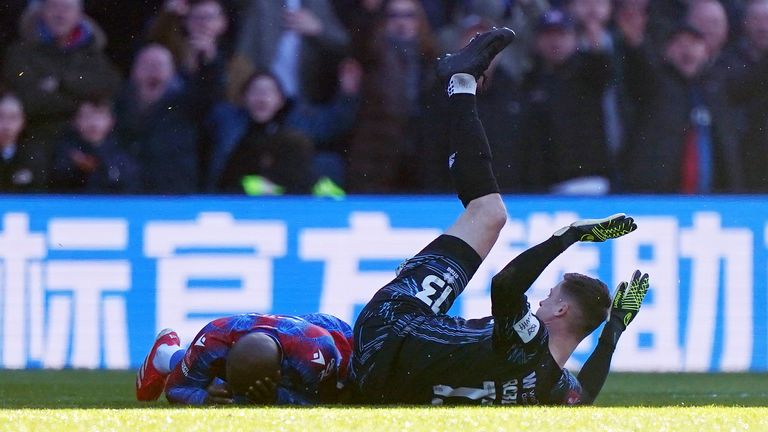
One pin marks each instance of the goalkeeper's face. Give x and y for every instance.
(553, 306)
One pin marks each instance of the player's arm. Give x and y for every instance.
(625, 306)
(189, 381)
(509, 285)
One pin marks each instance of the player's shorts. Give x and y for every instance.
(422, 293)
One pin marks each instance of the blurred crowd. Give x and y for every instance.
(327, 97)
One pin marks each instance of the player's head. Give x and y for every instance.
(578, 303)
(253, 357)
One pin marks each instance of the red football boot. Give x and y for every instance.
(149, 380)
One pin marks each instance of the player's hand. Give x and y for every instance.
(628, 299)
(219, 394)
(598, 230)
(263, 391)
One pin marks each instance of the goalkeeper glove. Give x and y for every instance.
(597, 230)
(625, 306)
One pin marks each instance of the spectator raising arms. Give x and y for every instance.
(298, 40)
(192, 31)
(684, 141)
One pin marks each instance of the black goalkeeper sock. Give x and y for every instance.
(470, 162)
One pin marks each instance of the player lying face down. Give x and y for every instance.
(251, 358)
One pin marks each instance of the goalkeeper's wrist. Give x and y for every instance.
(612, 332)
(566, 236)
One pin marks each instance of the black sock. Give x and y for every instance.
(470, 163)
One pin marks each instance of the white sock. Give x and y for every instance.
(162, 360)
(462, 83)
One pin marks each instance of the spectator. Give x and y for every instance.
(192, 31)
(684, 141)
(58, 61)
(88, 159)
(747, 66)
(398, 75)
(268, 158)
(158, 118)
(326, 125)
(520, 15)
(562, 112)
(20, 170)
(300, 41)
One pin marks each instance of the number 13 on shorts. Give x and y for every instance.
(429, 287)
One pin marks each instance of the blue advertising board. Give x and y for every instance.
(86, 282)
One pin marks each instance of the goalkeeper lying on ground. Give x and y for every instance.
(407, 350)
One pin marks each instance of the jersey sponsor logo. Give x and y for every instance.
(201, 341)
(450, 275)
(527, 327)
(318, 358)
(184, 368)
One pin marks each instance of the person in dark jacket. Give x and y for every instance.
(325, 124)
(683, 141)
(89, 159)
(564, 138)
(159, 117)
(269, 158)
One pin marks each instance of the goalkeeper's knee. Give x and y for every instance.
(472, 176)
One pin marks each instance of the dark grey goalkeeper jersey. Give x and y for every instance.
(407, 350)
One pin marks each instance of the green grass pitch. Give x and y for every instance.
(103, 401)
